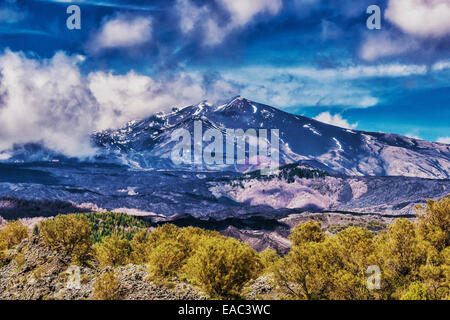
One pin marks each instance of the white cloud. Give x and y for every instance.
(380, 45)
(422, 18)
(309, 86)
(412, 136)
(241, 12)
(190, 14)
(335, 120)
(345, 73)
(307, 94)
(441, 65)
(52, 102)
(383, 70)
(122, 32)
(45, 102)
(444, 140)
(214, 34)
(132, 96)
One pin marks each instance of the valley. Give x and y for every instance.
(260, 210)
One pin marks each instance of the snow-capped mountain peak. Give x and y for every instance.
(323, 146)
(148, 143)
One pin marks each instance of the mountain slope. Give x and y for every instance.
(148, 143)
(299, 187)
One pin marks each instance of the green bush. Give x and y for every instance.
(223, 265)
(3, 251)
(12, 234)
(416, 291)
(113, 251)
(68, 233)
(434, 222)
(310, 231)
(308, 271)
(268, 258)
(413, 257)
(107, 287)
(140, 247)
(167, 247)
(167, 259)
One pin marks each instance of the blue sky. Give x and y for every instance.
(311, 57)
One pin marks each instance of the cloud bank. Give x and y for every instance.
(311, 86)
(51, 102)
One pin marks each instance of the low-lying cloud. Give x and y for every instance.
(45, 102)
(444, 140)
(335, 120)
(51, 102)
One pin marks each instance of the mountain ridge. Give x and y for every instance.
(147, 144)
(324, 146)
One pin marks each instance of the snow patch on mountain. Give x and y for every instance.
(312, 129)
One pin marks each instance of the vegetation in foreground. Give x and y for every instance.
(413, 257)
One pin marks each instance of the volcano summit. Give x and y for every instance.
(148, 143)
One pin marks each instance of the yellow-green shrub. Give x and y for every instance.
(166, 232)
(140, 247)
(310, 231)
(400, 255)
(414, 259)
(434, 222)
(183, 240)
(20, 260)
(435, 274)
(308, 271)
(223, 265)
(69, 233)
(113, 251)
(13, 233)
(193, 236)
(106, 287)
(268, 259)
(320, 267)
(416, 291)
(356, 248)
(167, 259)
(355, 254)
(3, 251)
(38, 272)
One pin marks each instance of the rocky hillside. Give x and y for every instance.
(301, 187)
(34, 272)
(112, 257)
